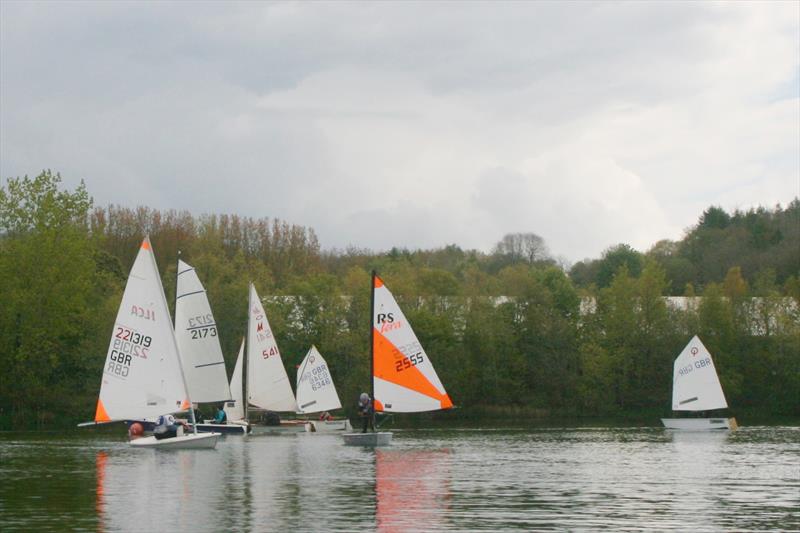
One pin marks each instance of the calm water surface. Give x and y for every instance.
(531, 479)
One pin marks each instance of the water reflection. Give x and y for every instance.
(412, 489)
(154, 490)
(533, 480)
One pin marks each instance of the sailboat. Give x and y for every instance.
(268, 385)
(198, 344)
(142, 376)
(696, 387)
(316, 393)
(235, 409)
(403, 377)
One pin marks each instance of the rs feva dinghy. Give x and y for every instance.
(403, 377)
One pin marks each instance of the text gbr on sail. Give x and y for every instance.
(702, 363)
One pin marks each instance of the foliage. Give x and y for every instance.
(506, 330)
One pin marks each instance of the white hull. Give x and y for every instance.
(328, 426)
(181, 442)
(382, 438)
(699, 424)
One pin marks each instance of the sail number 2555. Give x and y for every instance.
(407, 362)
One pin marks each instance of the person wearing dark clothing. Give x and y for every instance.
(365, 411)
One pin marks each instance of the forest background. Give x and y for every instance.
(512, 332)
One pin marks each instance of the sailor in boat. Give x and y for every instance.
(325, 416)
(167, 426)
(365, 411)
(221, 417)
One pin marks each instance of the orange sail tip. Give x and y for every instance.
(186, 404)
(446, 402)
(378, 282)
(100, 415)
(377, 405)
(146, 243)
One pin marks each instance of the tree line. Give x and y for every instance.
(510, 332)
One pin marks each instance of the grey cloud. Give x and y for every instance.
(439, 122)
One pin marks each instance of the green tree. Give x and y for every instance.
(56, 300)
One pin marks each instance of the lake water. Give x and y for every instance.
(428, 480)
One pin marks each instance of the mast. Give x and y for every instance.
(175, 325)
(372, 348)
(246, 362)
(174, 340)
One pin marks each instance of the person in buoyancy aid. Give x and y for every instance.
(221, 416)
(365, 412)
(166, 427)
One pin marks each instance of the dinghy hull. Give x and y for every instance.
(328, 426)
(225, 429)
(699, 424)
(381, 438)
(181, 442)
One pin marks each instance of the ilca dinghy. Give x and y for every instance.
(142, 376)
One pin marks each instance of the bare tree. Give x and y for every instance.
(523, 247)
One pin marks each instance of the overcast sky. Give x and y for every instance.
(412, 124)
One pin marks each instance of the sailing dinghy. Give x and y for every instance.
(268, 385)
(235, 409)
(198, 344)
(403, 378)
(316, 393)
(142, 376)
(696, 387)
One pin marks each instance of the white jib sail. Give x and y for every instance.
(234, 410)
(695, 385)
(198, 340)
(404, 379)
(142, 375)
(267, 382)
(315, 389)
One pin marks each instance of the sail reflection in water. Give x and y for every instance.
(412, 489)
(587, 479)
(157, 491)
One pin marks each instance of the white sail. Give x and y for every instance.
(315, 389)
(267, 383)
(234, 410)
(695, 385)
(403, 376)
(198, 340)
(142, 374)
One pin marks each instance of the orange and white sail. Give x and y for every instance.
(142, 376)
(404, 380)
